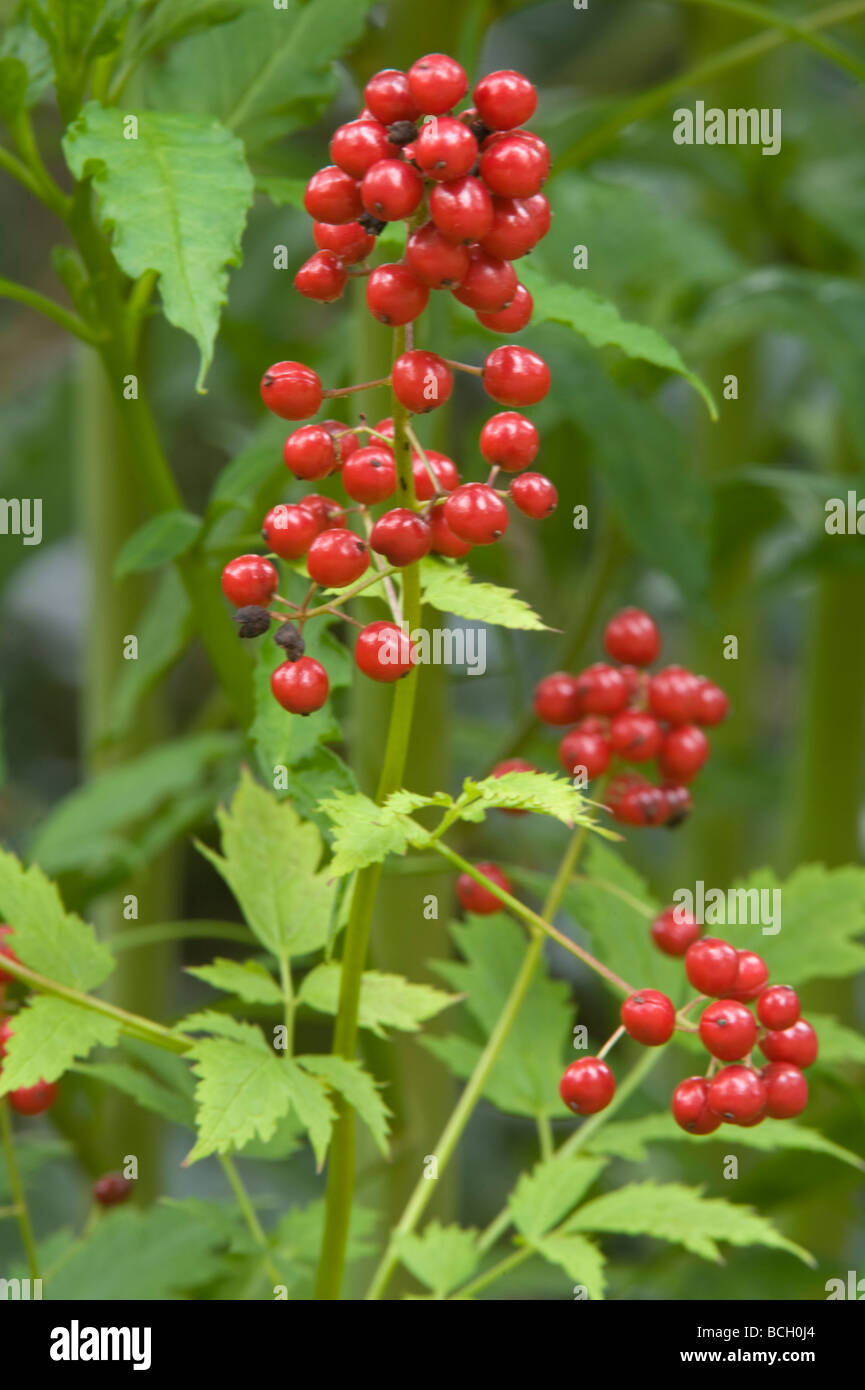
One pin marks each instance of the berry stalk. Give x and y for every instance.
(19, 1197)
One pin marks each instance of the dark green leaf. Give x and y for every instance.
(159, 540)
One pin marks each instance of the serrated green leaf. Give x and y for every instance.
(386, 1001)
(159, 540)
(442, 1257)
(630, 1139)
(223, 1025)
(579, 1258)
(297, 1235)
(550, 1192)
(175, 199)
(364, 833)
(50, 940)
(357, 1087)
(47, 1036)
(150, 1094)
(450, 588)
(542, 792)
(247, 979)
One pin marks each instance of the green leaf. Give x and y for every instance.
(839, 1046)
(223, 1025)
(239, 483)
(542, 792)
(164, 629)
(159, 540)
(134, 1082)
(683, 1216)
(248, 980)
(297, 1235)
(357, 1087)
(175, 19)
(579, 1258)
(175, 200)
(450, 588)
(25, 45)
(598, 321)
(50, 940)
(442, 1258)
(550, 1192)
(47, 1036)
(386, 1001)
(269, 861)
(364, 833)
(630, 1139)
(281, 190)
(832, 191)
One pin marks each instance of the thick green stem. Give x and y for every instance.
(22, 294)
(16, 1187)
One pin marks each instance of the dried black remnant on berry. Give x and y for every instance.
(289, 637)
(478, 130)
(252, 621)
(402, 132)
(373, 225)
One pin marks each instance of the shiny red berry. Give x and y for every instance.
(540, 212)
(710, 703)
(672, 693)
(434, 260)
(786, 1090)
(32, 1100)
(514, 167)
(327, 512)
(462, 210)
(515, 315)
(391, 190)
(250, 579)
(557, 699)
(291, 390)
(444, 541)
(644, 805)
(635, 736)
(347, 240)
(796, 1044)
(401, 536)
(513, 231)
(475, 513)
(509, 440)
(356, 146)
(738, 1095)
(534, 495)
(388, 97)
(674, 930)
(437, 83)
(489, 284)
(515, 376)
(289, 530)
(603, 689)
(394, 296)
(683, 752)
(384, 652)
(421, 380)
(445, 149)
(587, 1086)
(112, 1189)
(333, 196)
(778, 1007)
(691, 1108)
(444, 469)
(300, 686)
(584, 750)
(505, 99)
(751, 977)
(632, 637)
(728, 1030)
(474, 897)
(310, 452)
(336, 558)
(369, 476)
(649, 1017)
(711, 966)
(322, 278)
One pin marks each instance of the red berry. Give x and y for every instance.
(496, 137)
(557, 699)
(738, 1095)
(384, 652)
(388, 97)
(391, 190)
(649, 1017)
(475, 513)
(691, 1108)
(587, 1086)
(509, 440)
(778, 1007)
(514, 317)
(421, 380)
(710, 703)
(336, 558)
(250, 579)
(300, 686)
(401, 536)
(327, 512)
(355, 147)
(632, 637)
(672, 693)
(475, 897)
(369, 476)
(635, 736)
(683, 752)
(751, 977)
(348, 240)
(322, 278)
(489, 283)
(603, 689)
(712, 966)
(796, 1044)
(291, 390)
(786, 1090)
(728, 1030)
(289, 530)
(643, 804)
(437, 83)
(394, 296)
(444, 542)
(434, 260)
(541, 213)
(6, 1031)
(112, 1189)
(673, 931)
(584, 750)
(445, 471)
(515, 376)
(505, 99)
(534, 495)
(345, 443)
(445, 149)
(310, 452)
(679, 805)
(32, 1100)
(462, 210)
(333, 196)
(514, 167)
(514, 229)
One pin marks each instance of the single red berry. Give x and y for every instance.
(446, 149)
(32, 1100)
(401, 536)
(557, 699)
(333, 196)
(291, 390)
(584, 750)
(691, 1108)
(603, 689)
(683, 752)
(336, 558)
(421, 380)
(509, 440)
(347, 240)
(710, 703)
(386, 426)
(796, 1044)
(587, 1086)
(786, 1090)
(475, 513)
(515, 376)
(444, 469)
(437, 83)
(388, 97)
(369, 476)
(728, 1030)
(514, 229)
(505, 99)
(394, 296)
(289, 530)
(322, 278)
(434, 260)
(355, 147)
(738, 1095)
(496, 137)
(679, 804)
(778, 1007)
(672, 693)
(513, 167)
(673, 931)
(632, 637)
(534, 495)
(327, 512)
(112, 1189)
(462, 210)
(751, 977)
(310, 452)
(300, 686)
(250, 579)
(635, 736)
(501, 770)
(6, 1031)
(345, 442)
(384, 652)
(541, 213)
(643, 805)
(711, 966)
(649, 1017)
(514, 317)
(391, 190)
(444, 542)
(489, 283)
(474, 897)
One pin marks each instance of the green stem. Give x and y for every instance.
(16, 1186)
(792, 28)
(9, 289)
(545, 1137)
(290, 1003)
(248, 1212)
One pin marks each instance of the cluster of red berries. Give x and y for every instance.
(27, 1100)
(623, 714)
(468, 187)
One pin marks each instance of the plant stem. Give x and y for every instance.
(290, 1003)
(41, 303)
(791, 27)
(19, 1196)
(248, 1212)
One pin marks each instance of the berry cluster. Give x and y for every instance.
(27, 1100)
(622, 714)
(468, 188)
